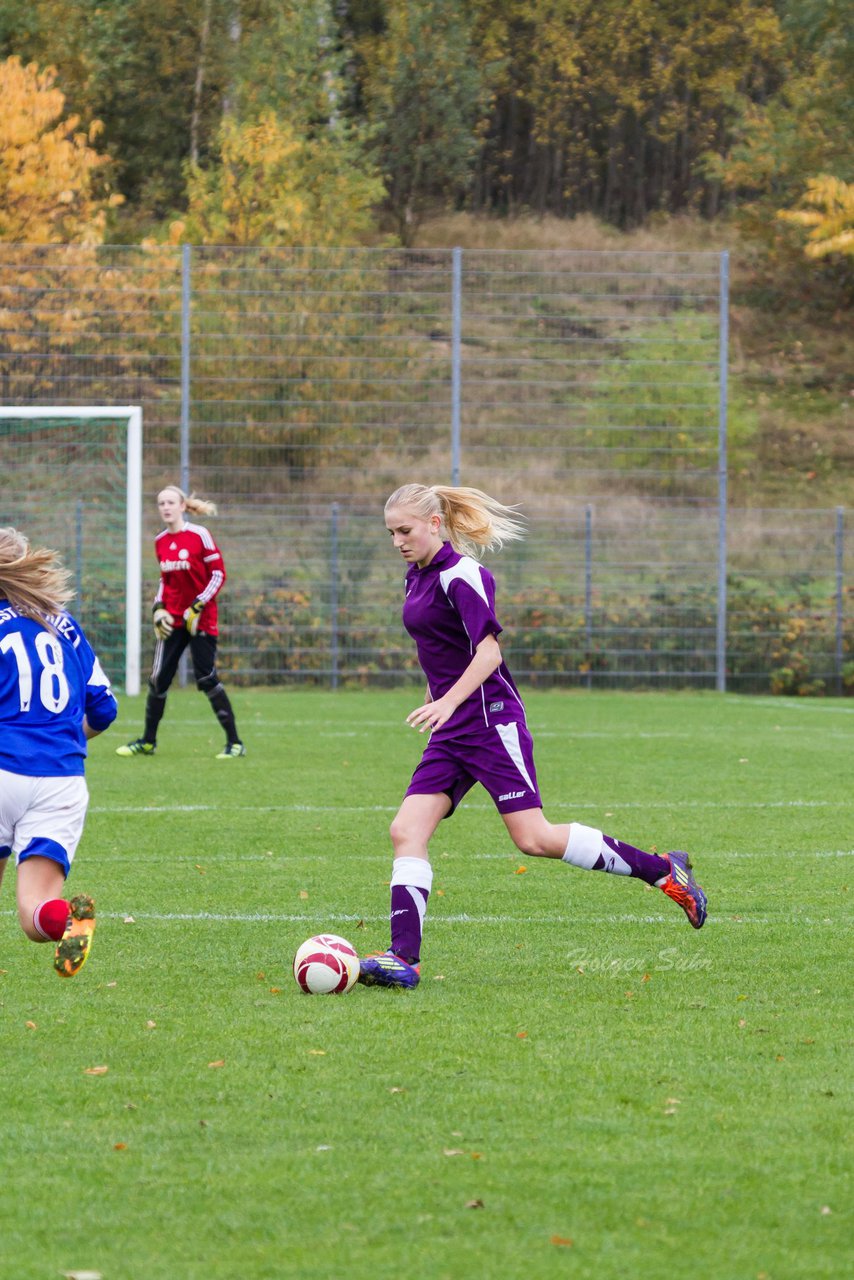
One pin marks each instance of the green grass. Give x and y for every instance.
(578, 1063)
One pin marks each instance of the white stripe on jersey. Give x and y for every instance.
(213, 586)
(509, 735)
(204, 534)
(98, 678)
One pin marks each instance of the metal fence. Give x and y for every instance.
(298, 387)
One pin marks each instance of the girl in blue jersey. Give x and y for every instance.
(53, 696)
(476, 719)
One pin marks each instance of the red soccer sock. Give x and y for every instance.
(50, 918)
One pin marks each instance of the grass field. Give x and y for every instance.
(582, 1085)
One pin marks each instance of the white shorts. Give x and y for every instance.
(42, 817)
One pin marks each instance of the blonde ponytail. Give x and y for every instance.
(473, 521)
(33, 581)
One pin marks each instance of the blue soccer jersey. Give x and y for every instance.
(449, 608)
(49, 680)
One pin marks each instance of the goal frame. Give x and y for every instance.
(133, 513)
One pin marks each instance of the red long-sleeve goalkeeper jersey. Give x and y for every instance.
(191, 566)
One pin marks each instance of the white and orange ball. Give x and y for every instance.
(326, 965)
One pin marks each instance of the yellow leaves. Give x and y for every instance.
(272, 185)
(829, 219)
(95, 1071)
(47, 168)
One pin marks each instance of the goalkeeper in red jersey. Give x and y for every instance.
(192, 571)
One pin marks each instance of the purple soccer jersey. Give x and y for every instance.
(449, 608)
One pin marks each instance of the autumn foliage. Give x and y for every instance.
(51, 176)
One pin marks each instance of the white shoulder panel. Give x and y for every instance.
(469, 570)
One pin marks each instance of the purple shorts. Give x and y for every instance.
(501, 759)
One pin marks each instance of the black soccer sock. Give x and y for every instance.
(223, 712)
(155, 705)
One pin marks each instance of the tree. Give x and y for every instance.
(797, 141)
(426, 94)
(607, 108)
(290, 164)
(52, 183)
(271, 186)
(829, 217)
(135, 65)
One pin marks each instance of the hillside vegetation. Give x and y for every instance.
(791, 388)
(645, 125)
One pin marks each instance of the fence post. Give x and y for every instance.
(456, 371)
(185, 367)
(78, 550)
(588, 591)
(333, 596)
(839, 542)
(723, 345)
(185, 406)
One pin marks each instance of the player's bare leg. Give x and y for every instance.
(589, 848)
(534, 835)
(46, 916)
(42, 908)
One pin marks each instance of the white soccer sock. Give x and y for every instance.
(416, 872)
(586, 845)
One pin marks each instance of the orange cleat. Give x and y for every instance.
(681, 886)
(73, 947)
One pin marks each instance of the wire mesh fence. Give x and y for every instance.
(298, 387)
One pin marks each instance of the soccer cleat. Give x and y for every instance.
(388, 970)
(139, 747)
(73, 947)
(230, 750)
(681, 886)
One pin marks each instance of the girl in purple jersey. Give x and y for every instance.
(476, 720)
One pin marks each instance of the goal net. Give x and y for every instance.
(72, 480)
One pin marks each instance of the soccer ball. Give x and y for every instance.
(326, 965)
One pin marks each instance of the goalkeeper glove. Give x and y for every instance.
(163, 624)
(193, 614)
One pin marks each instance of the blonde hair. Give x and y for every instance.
(34, 582)
(195, 506)
(473, 522)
